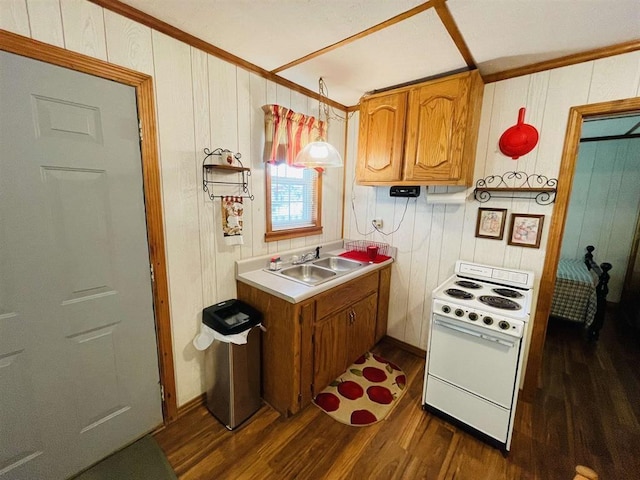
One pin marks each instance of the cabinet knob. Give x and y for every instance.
(352, 317)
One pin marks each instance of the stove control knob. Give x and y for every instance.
(446, 308)
(488, 320)
(504, 325)
(473, 316)
(459, 312)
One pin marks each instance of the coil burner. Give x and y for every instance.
(499, 302)
(507, 292)
(459, 294)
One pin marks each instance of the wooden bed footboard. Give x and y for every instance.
(602, 289)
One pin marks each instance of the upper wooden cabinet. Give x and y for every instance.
(381, 139)
(424, 134)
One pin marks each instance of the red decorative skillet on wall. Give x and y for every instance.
(519, 139)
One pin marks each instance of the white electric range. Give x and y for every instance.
(475, 352)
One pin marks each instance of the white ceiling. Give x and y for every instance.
(499, 34)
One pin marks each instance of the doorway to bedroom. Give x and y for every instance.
(605, 196)
(588, 391)
(603, 212)
(578, 115)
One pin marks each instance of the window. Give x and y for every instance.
(294, 195)
(293, 202)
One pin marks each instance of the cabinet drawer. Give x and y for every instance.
(345, 295)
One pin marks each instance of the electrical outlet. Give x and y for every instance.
(377, 223)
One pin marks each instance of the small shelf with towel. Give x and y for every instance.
(209, 169)
(525, 186)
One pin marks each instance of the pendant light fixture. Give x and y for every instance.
(319, 153)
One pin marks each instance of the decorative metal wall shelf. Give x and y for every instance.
(517, 185)
(208, 169)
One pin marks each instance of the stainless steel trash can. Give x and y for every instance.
(232, 370)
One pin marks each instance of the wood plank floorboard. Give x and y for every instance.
(587, 412)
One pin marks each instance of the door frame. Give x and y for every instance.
(143, 85)
(532, 379)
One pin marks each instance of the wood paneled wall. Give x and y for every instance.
(432, 237)
(202, 101)
(604, 206)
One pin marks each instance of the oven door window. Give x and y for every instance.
(461, 356)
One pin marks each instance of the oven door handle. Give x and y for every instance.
(499, 340)
(457, 328)
(472, 333)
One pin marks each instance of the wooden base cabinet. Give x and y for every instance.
(308, 344)
(423, 134)
(340, 339)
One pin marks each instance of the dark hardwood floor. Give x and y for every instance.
(588, 412)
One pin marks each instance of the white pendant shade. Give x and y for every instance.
(319, 154)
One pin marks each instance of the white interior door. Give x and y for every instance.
(79, 373)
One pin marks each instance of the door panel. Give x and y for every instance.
(381, 140)
(57, 118)
(17, 444)
(435, 131)
(79, 203)
(362, 328)
(330, 355)
(78, 353)
(96, 378)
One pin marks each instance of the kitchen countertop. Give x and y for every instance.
(252, 272)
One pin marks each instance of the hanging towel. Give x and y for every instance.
(232, 210)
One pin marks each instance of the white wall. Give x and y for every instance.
(604, 206)
(201, 102)
(432, 237)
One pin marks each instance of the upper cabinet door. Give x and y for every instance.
(423, 134)
(436, 130)
(381, 139)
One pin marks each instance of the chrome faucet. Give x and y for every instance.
(306, 257)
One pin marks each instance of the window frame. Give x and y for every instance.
(272, 235)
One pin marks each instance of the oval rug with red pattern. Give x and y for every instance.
(365, 393)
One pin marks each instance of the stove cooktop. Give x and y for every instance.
(490, 291)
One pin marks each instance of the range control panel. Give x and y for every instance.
(490, 321)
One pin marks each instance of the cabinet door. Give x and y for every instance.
(381, 138)
(436, 126)
(361, 330)
(329, 353)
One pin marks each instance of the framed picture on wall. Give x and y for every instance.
(490, 223)
(525, 230)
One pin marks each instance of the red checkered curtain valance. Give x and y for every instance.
(288, 132)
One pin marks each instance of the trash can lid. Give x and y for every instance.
(231, 316)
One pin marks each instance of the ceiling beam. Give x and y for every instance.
(632, 129)
(625, 136)
(163, 27)
(441, 9)
(589, 55)
(376, 28)
(454, 32)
